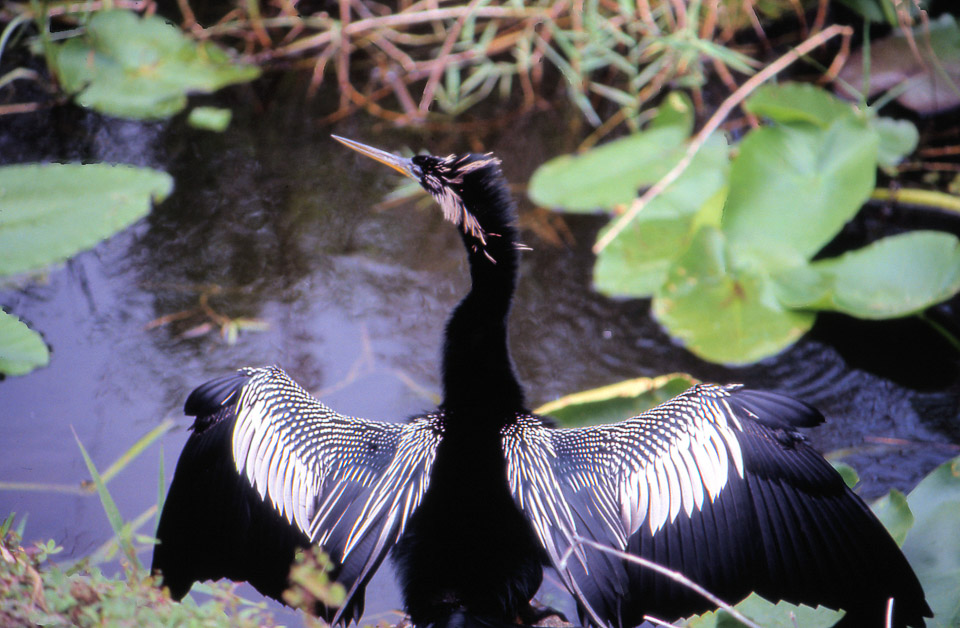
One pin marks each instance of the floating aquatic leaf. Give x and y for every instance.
(798, 102)
(895, 276)
(636, 262)
(769, 615)
(21, 348)
(721, 313)
(128, 66)
(210, 118)
(616, 402)
(933, 546)
(898, 138)
(611, 174)
(894, 512)
(52, 211)
(793, 187)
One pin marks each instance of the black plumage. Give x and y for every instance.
(477, 497)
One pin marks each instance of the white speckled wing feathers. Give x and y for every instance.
(607, 481)
(349, 484)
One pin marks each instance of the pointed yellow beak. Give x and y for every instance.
(401, 165)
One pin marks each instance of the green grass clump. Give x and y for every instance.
(34, 590)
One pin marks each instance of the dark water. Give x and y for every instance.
(275, 221)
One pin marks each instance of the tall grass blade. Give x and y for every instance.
(161, 489)
(137, 448)
(109, 506)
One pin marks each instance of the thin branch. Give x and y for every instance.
(714, 122)
(676, 576)
(437, 72)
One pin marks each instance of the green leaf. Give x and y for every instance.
(50, 212)
(898, 138)
(21, 348)
(135, 67)
(121, 529)
(798, 102)
(933, 546)
(850, 476)
(724, 314)
(675, 112)
(793, 187)
(209, 118)
(896, 276)
(893, 511)
(636, 262)
(611, 174)
(769, 615)
(616, 402)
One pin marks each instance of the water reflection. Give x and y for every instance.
(277, 222)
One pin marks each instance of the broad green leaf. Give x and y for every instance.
(723, 314)
(895, 276)
(209, 118)
(793, 187)
(768, 615)
(616, 402)
(50, 212)
(894, 512)
(850, 476)
(798, 102)
(21, 348)
(933, 545)
(675, 112)
(636, 262)
(898, 138)
(611, 174)
(128, 66)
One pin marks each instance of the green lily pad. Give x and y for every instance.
(611, 174)
(898, 138)
(50, 212)
(615, 402)
(894, 512)
(896, 276)
(768, 615)
(793, 187)
(850, 476)
(128, 66)
(21, 348)
(933, 545)
(210, 118)
(798, 102)
(721, 313)
(636, 262)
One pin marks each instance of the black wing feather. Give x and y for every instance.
(780, 522)
(269, 469)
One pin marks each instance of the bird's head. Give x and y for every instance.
(470, 190)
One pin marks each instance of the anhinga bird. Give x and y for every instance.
(477, 497)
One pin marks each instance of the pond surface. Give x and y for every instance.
(275, 221)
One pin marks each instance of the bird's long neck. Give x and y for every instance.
(478, 375)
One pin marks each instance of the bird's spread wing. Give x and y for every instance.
(269, 469)
(717, 485)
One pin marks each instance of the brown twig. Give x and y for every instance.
(676, 576)
(445, 49)
(715, 120)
